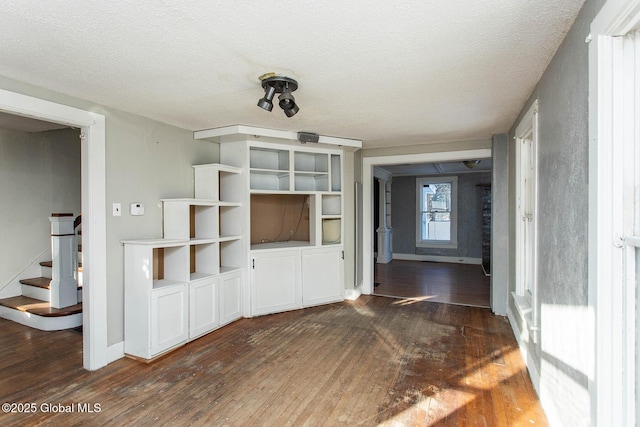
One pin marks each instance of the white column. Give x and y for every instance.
(384, 233)
(64, 252)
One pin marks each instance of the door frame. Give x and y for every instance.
(368, 164)
(93, 176)
(609, 120)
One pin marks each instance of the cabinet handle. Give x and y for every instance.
(342, 253)
(253, 263)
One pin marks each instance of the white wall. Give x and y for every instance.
(39, 175)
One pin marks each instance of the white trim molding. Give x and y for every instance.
(438, 258)
(613, 60)
(368, 164)
(526, 295)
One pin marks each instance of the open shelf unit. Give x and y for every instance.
(294, 222)
(195, 285)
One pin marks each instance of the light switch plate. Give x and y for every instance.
(117, 209)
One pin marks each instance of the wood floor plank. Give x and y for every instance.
(451, 283)
(370, 362)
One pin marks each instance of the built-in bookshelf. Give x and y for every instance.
(189, 282)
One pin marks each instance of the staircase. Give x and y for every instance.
(39, 306)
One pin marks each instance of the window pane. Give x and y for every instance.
(436, 216)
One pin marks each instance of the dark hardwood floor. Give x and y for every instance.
(463, 284)
(373, 361)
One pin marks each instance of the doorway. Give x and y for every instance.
(434, 227)
(93, 195)
(369, 163)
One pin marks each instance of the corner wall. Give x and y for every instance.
(145, 161)
(563, 352)
(500, 224)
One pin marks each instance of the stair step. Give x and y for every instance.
(38, 282)
(38, 307)
(50, 265)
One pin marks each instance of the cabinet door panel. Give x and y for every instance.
(203, 307)
(230, 297)
(275, 282)
(322, 276)
(169, 321)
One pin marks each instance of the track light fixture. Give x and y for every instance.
(284, 86)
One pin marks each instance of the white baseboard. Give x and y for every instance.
(526, 355)
(438, 258)
(115, 352)
(353, 294)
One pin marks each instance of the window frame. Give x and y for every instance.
(526, 214)
(452, 243)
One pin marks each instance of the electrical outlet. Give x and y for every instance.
(117, 209)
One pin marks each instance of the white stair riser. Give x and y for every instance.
(36, 293)
(39, 322)
(41, 293)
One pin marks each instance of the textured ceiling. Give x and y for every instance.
(386, 72)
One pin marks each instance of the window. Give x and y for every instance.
(525, 297)
(436, 203)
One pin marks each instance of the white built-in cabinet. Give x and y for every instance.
(272, 213)
(288, 279)
(287, 268)
(189, 282)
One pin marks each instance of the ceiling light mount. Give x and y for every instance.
(471, 163)
(284, 86)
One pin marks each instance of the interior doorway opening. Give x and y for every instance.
(93, 195)
(406, 272)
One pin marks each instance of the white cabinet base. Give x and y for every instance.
(275, 282)
(230, 289)
(322, 276)
(289, 279)
(169, 321)
(203, 307)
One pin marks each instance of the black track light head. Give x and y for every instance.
(283, 86)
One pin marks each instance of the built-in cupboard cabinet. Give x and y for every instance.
(262, 234)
